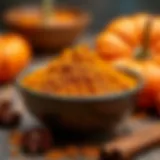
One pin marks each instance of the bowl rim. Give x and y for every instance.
(84, 17)
(123, 94)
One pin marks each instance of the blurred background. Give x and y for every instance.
(37, 35)
(102, 10)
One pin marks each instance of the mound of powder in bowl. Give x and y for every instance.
(78, 72)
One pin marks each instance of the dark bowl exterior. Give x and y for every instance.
(80, 115)
(103, 113)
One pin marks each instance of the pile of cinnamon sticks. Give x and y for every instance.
(126, 147)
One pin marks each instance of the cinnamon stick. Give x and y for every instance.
(126, 147)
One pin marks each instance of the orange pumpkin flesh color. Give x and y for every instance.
(150, 71)
(15, 54)
(130, 33)
(118, 27)
(107, 44)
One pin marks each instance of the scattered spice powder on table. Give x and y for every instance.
(72, 152)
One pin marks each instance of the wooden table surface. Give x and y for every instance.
(5, 147)
(9, 92)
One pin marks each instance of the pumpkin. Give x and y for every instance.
(150, 72)
(135, 44)
(15, 54)
(123, 35)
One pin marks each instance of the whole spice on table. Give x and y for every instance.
(36, 141)
(8, 118)
(126, 147)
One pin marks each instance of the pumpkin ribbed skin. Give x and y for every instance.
(118, 42)
(123, 35)
(112, 46)
(150, 71)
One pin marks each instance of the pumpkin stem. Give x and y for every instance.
(47, 10)
(143, 51)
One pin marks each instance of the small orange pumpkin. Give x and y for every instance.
(15, 54)
(123, 35)
(138, 31)
(150, 71)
